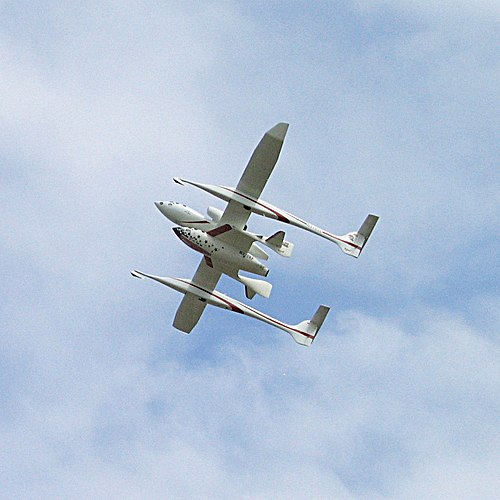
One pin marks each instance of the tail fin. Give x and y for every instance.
(353, 243)
(279, 245)
(276, 240)
(367, 227)
(305, 332)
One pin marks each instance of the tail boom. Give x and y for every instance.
(351, 243)
(303, 333)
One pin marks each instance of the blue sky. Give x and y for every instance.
(393, 110)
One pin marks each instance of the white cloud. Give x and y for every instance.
(100, 107)
(367, 412)
(434, 10)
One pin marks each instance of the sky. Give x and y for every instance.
(393, 110)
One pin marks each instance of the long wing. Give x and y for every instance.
(191, 307)
(256, 174)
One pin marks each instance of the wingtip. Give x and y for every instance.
(279, 131)
(178, 180)
(136, 274)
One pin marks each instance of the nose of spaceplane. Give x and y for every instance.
(163, 207)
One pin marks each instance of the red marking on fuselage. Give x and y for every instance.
(280, 323)
(232, 306)
(300, 220)
(235, 308)
(343, 241)
(281, 217)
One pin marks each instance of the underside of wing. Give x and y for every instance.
(236, 215)
(206, 277)
(191, 307)
(188, 313)
(256, 174)
(238, 239)
(262, 161)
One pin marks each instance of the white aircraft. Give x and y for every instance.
(227, 247)
(244, 200)
(197, 296)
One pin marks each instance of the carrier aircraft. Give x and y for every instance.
(227, 247)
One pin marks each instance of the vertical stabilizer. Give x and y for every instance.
(304, 333)
(353, 243)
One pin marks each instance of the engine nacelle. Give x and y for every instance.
(214, 213)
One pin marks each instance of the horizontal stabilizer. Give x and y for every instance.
(257, 252)
(286, 249)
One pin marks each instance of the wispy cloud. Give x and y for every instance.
(365, 413)
(392, 110)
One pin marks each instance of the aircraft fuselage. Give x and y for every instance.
(347, 243)
(219, 254)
